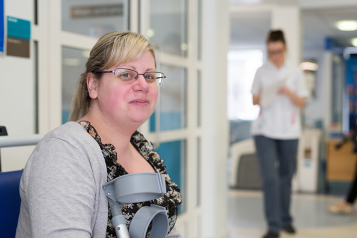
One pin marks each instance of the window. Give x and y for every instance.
(242, 65)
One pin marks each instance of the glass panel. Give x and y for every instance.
(242, 65)
(198, 98)
(198, 202)
(168, 26)
(173, 100)
(351, 93)
(95, 18)
(174, 154)
(337, 91)
(73, 64)
(35, 16)
(35, 47)
(199, 30)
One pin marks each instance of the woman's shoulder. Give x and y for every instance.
(265, 68)
(293, 67)
(70, 132)
(66, 142)
(67, 146)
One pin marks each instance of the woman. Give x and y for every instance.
(346, 206)
(61, 187)
(276, 131)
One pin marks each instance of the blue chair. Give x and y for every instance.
(9, 203)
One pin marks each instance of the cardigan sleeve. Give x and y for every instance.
(59, 191)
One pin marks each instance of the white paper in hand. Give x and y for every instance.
(270, 92)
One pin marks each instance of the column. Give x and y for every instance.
(215, 35)
(287, 18)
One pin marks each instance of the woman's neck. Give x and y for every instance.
(111, 133)
(278, 65)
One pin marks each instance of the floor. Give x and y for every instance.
(312, 220)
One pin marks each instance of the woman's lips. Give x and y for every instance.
(139, 102)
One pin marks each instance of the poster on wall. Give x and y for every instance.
(18, 37)
(2, 27)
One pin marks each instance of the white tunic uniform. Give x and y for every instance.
(281, 119)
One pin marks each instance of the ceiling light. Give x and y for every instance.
(150, 33)
(354, 42)
(347, 25)
(309, 66)
(184, 47)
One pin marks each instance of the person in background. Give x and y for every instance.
(276, 131)
(61, 186)
(346, 206)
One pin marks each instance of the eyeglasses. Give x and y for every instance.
(275, 52)
(129, 76)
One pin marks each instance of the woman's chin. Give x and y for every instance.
(140, 119)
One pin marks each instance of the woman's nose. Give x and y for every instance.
(141, 84)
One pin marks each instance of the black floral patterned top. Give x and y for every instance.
(170, 201)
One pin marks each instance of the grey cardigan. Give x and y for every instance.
(67, 163)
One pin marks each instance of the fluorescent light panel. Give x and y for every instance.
(347, 25)
(354, 42)
(309, 66)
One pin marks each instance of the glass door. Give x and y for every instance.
(174, 128)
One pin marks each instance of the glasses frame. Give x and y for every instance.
(160, 81)
(275, 52)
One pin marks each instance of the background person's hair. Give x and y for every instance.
(112, 49)
(276, 36)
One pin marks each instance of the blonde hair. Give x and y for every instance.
(111, 50)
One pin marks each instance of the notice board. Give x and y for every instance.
(18, 37)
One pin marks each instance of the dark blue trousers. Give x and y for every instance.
(277, 160)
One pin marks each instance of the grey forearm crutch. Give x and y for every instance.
(134, 188)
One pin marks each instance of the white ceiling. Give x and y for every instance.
(321, 23)
(280, 2)
(317, 24)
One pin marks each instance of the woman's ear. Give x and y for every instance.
(92, 85)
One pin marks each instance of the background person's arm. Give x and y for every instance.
(256, 88)
(298, 101)
(256, 99)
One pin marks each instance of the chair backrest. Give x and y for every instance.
(10, 202)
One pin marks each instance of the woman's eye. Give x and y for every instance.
(150, 77)
(124, 75)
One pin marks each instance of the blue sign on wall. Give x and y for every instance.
(18, 28)
(2, 26)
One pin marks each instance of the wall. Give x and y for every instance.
(17, 93)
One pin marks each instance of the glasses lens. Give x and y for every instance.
(125, 74)
(159, 78)
(150, 77)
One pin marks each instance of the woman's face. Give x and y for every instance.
(128, 103)
(276, 52)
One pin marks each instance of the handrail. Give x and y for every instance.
(11, 141)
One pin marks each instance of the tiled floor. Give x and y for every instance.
(246, 219)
